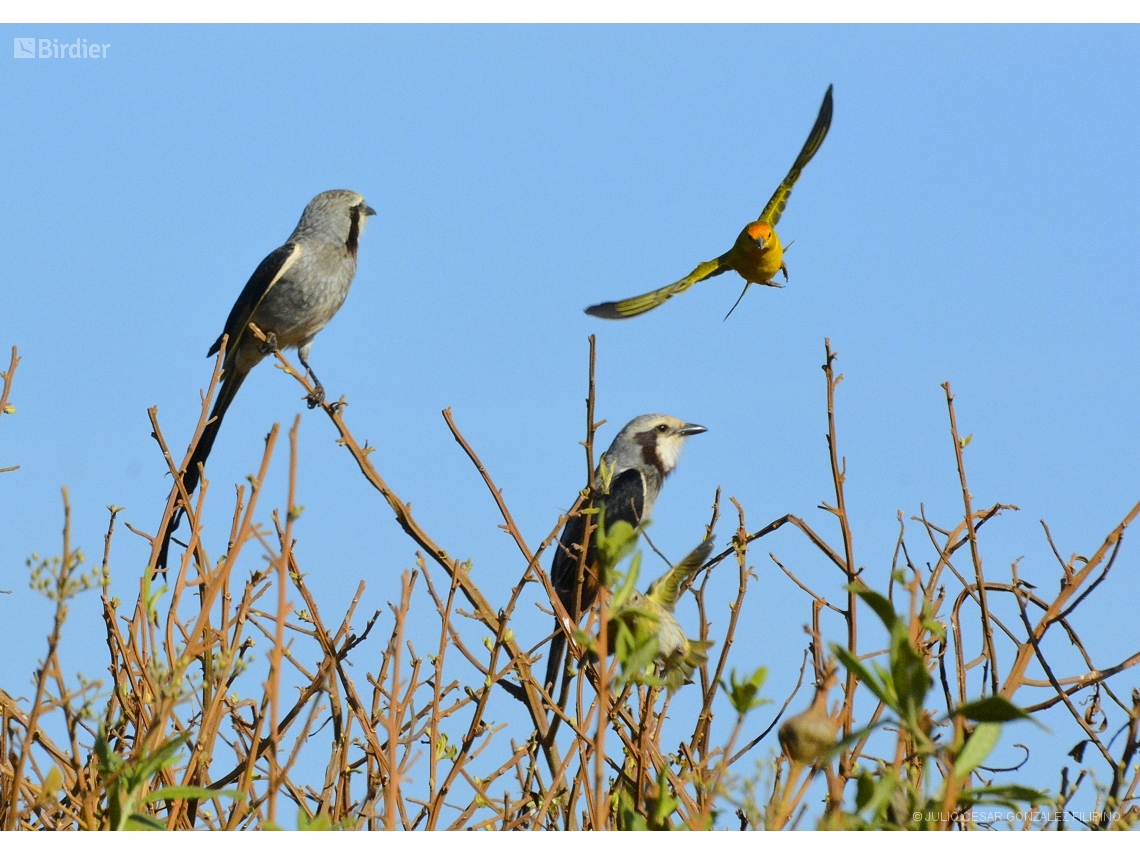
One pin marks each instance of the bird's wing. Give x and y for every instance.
(666, 589)
(626, 499)
(268, 273)
(564, 567)
(639, 305)
(779, 200)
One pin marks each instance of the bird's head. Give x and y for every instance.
(655, 440)
(760, 233)
(335, 216)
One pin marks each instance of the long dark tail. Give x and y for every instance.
(230, 385)
(554, 660)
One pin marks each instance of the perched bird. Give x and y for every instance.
(291, 297)
(757, 254)
(650, 615)
(806, 738)
(629, 476)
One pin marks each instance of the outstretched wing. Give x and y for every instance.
(666, 589)
(639, 305)
(268, 273)
(779, 200)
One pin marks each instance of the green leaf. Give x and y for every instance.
(640, 657)
(627, 583)
(992, 709)
(882, 791)
(864, 790)
(855, 737)
(142, 822)
(664, 805)
(908, 671)
(632, 821)
(1011, 796)
(977, 748)
(881, 605)
(931, 623)
(614, 542)
(165, 755)
(742, 693)
(863, 673)
(171, 793)
(320, 822)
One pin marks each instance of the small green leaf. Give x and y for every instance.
(864, 790)
(1011, 796)
(627, 584)
(320, 822)
(142, 822)
(171, 793)
(881, 605)
(908, 671)
(166, 755)
(742, 693)
(664, 805)
(977, 748)
(614, 542)
(882, 791)
(863, 673)
(992, 709)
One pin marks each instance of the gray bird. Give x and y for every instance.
(291, 297)
(637, 462)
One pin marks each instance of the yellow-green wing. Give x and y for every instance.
(779, 200)
(679, 667)
(639, 305)
(666, 589)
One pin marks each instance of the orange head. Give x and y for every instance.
(757, 253)
(761, 233)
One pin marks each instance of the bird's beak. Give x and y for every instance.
(690, 429)
(760, 242)
(368, 211)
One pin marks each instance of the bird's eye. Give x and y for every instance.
(662, 428)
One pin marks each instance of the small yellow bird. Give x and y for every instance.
(757, 254)
(644, 626)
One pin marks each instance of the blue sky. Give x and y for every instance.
(970, 218)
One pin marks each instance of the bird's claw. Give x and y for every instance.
(317, 397)
(270, 344)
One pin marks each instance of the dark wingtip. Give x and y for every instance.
(162, 563)
(606, 310)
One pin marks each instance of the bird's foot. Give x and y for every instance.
(270, 343)
(337, 406)
(317, 397)
(784, 270)
(771, 283)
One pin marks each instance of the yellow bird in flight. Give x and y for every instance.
(757, 254)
